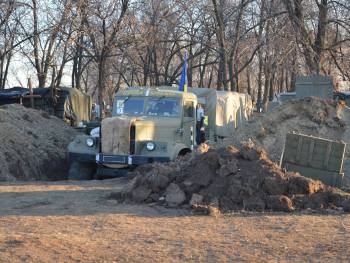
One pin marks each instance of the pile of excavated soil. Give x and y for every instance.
(33, 144)
(311, 116)
(228, 179)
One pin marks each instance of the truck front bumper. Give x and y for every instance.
(128, 159)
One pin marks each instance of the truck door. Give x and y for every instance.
(188, 123)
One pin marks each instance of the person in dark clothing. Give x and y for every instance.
(200, 135)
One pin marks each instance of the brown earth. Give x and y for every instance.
(310, 116)
(33, 144)
(228, 179)
(71, 221)
(213, 178)
(157, 213)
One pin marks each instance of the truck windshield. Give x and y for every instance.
(148, 106)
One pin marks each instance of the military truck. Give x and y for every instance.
(147, 125)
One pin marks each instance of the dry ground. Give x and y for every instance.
(70, 221)
(75, 222)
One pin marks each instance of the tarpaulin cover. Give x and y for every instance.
(79, 103)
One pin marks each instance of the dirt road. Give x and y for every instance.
(77, 222)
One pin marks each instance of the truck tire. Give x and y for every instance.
(81, 171)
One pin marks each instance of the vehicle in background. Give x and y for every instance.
(71, 105)
(343, 96)
(309, 86)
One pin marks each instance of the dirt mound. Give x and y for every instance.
(310, 116)
(33, 144)
(229, 179)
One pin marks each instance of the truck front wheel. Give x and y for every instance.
(81, 171)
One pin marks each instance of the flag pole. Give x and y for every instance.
(183, 79)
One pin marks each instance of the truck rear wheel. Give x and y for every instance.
(81, 171)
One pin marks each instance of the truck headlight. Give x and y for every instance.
(150, 146)
(90, 142)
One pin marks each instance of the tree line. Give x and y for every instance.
(252, 46)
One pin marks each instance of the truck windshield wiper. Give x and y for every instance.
(126, 99)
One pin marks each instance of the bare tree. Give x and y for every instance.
(45, 38)
(8, 39)
(237, 45)
(313, 39)
(102, 22)
(220, 34)
(258, 46)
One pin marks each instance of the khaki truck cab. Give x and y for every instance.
(147, 125)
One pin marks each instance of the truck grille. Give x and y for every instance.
(132, 139)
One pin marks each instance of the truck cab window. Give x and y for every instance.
(130, 106)
(163, 106)
(188, 109)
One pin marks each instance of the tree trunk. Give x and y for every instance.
(220, 33)
(312, 49)
(259, 97)
(249, 88)
(202, 70)
(146, 67)
(7, 66)
(321, 33)
(286, 82)
(266, 90)
(281, 81)
(155, 72)
(2, 79)
(77, 64)
(41, 78)
(271, 86)
(292, 81)
(236, 79)
(101, 82)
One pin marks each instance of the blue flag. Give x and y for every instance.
(183, 80)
